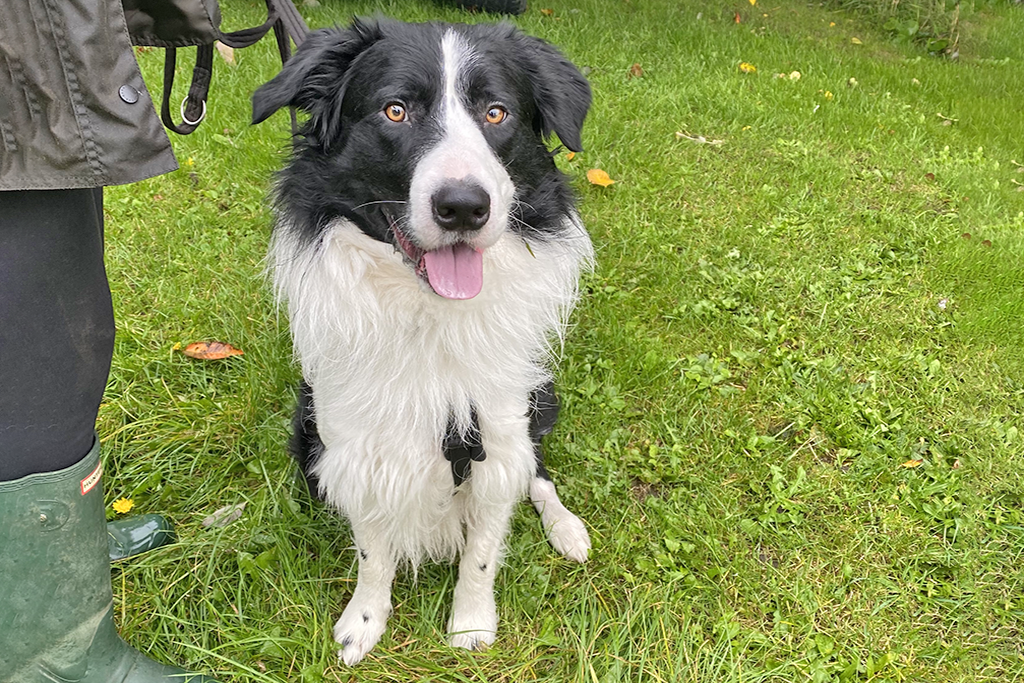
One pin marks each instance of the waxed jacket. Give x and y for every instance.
(74, 110)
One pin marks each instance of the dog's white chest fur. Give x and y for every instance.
(391, 363)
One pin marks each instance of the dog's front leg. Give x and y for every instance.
(362, 623)
(474, 621)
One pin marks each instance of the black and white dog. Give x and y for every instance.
(428, 252)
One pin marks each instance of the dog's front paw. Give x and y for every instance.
(565, 531)
(473, 629)
(477, 640)
(568, 535)
(358, 630)
(474, 623)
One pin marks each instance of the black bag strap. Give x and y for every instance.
(292, 22)
(288, 25)
(193, 107)
(249, 36)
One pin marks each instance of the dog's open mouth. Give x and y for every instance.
(454, 272)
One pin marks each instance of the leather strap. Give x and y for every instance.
(249, 36)
(288, 25)
(193, 108)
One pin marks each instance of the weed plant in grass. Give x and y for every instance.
(934, 25)
(792, 391)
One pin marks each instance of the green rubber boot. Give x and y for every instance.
(56, 603)
(137, 534)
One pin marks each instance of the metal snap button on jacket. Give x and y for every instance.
(128, 94)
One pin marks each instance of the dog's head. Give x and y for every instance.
(429, 137)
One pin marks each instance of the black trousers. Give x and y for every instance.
(56, 327)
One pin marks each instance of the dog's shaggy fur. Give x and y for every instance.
(428, 252)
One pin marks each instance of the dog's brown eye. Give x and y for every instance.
(395, 112)
(496, 115)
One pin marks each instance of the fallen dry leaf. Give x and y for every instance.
(547, 12)
(856, 41)
(912, 463)
(226, 51)
(598, 177)
(699, 139)
(636, 71)
(225, 515)
(569, 156)
(736, 17)
(212, 350)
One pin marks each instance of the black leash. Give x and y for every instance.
(288, 25)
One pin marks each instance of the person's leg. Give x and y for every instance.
(56, 342)
(56, 328)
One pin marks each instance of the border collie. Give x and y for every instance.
(428, 252)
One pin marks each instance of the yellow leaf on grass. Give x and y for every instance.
(569, 156)
(547, 12)
(747, 68)
(598, 177)
(856, 41)
(753, 2)
(212, 350)
(123, 505)
(912, 463)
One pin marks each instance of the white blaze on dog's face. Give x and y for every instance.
(430, 138)
(461, 194)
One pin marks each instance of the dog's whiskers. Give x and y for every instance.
(380, 201)
(521, 222)
(520, 202)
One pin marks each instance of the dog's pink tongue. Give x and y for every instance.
(455, 272)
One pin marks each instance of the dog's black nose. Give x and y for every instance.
(461, 205)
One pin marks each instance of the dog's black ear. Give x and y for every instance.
(314, 80)
(560, 91)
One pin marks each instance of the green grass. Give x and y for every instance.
(776, 324)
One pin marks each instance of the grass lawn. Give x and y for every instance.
(792, 391)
